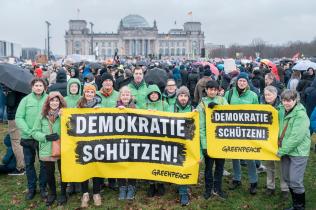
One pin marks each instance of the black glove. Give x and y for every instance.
(204, 151)
(211, 105)
(52, 137)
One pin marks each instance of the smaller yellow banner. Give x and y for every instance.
(242, 132)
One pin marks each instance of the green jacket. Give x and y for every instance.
(29, 108)
(139, 92)
(158, 105)
(71, 99)
(247, 97)
(201, 108)
(179, 109)
(40, 130)
(110, 101)
(296, 141)
(171, 100)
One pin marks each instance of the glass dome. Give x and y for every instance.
(134, 21)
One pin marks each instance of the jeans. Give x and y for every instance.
(252, 172)
(29, 159)
(213, 182)
(183, 189)
(126, 182)
(2, 105)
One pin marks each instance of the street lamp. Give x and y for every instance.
(48, 37)
(91, 26)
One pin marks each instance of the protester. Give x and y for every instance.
(199, 91)
(294, 146)
(293, 82)
(46, 129)
(107, 93)
(8, 161)
(169, 95)
(127, 187)
(138, 87)
(89, 100)
(310, 98)
(28, 109)
(271, 80)
(61, 83)
(74, 90)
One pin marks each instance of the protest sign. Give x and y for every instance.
(130, 143)
(242, 132)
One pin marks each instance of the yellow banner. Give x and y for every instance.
(129, 143)
(242, 132)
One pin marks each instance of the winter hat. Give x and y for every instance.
(38, 72)
(89, 87)
(212, 84)
(183, 90)
(243, 75)
(106, 76)
(89, 77)
(207, 72)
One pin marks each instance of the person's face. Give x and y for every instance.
(138, 75)
(211, 92)
(126, 97)
(107, 84)
(171, 87)
(269, 97)
(242, 83)
(74, 88)
(183, 99)
(54, 103)
(89, 95)
(268, 80)
(38, 88)
(288, 104)
(154, 96)
(310, 71)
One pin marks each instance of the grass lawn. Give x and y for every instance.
(13, 189)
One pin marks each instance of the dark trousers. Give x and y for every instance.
(51, 181)
(126, 182)
(29, 159)
(96, 185)
(213, 182)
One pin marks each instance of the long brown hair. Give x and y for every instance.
(52, 95)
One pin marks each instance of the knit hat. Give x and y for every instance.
(89, 87)
(212, 84)
(106, 76)
(243, 75)
(183, 90)
(207, 72)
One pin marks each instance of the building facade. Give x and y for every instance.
(10, 49)
(135, 37)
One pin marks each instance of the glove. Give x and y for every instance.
(52, 137)
(211, 105)
(204, 151)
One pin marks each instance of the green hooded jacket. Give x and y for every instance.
(247, 97)
(110, 101)
(170, 99)
(201, 108)
(139, 93)
(40, 130)
(158, 105)
(29, 108)
(71, 99)
(296, 141)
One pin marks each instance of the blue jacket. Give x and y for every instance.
(9, 159)
(313, 121)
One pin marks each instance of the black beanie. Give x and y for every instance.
(212, 84)
(106, 76)
(207, 72)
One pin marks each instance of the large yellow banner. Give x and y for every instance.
(129, 143)
(242, 132)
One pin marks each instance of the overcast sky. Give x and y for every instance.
(223, 21)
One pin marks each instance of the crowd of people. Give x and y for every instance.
(34, 120)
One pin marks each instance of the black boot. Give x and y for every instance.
(50, 200)
(30, 194)
(253, 188)
(62, 199)
(300, 201)
(160, 189)
(151, 190)
(234, 184)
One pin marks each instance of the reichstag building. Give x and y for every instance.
(135, 37)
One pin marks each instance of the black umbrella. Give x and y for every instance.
(156, 76)
(15, 78)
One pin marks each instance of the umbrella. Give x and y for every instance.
(15, 78)
(157, 76)
(304, 65)
(95, 65)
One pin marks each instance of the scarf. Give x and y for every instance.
(52, 115)
(92, 103)
(130, 104)
(106, 93)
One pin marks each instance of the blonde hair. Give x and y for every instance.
(124, 89)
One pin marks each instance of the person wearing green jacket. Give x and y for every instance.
(46, 129)
(241, 94)
(169, 95)
(294, 145)
(28, 109)
(154, 102)
(73, 92)
(213, 183)
(138, 87)
(107, 93)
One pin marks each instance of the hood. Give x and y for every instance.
(74, 80)
(61, 76)
(153, 88)
(51, 95)
(298, 108)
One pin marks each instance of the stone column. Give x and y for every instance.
(149, 46)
